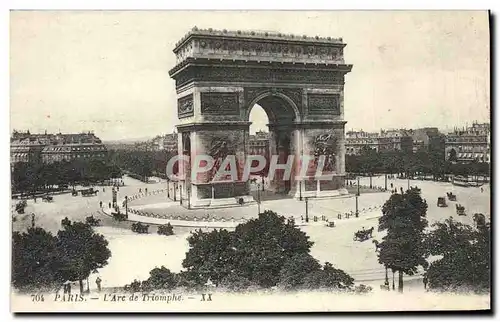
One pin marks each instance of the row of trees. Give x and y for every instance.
(142, 163)
(421, 162)
(42, 261)
(463, 251)
(262, 253)
(31, 177)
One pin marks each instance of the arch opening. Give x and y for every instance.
(274, 138)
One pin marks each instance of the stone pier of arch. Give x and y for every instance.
(298, 81)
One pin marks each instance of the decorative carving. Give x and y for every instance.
(323, 103)
(220, 103)
(259, 75)
(185, 106)
(220, 149)
(326, 144)
(295, 94)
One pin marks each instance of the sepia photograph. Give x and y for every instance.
(250, 161)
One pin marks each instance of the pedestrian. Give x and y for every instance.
(392, 185)
(146, 190)
(98, 282)
(425, 281)
(100, 204)
(140, 190)
(109, 205)
(103, 189)
(33, 220)
(481, 189)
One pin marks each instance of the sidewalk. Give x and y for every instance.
(175, 222)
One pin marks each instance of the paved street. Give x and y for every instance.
(138, 254)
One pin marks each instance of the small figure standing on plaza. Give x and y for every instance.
(109, 205)
(98, 282)
(425, 281)
(146, 190)
(140, 190)
(33, 220)
(100, 204)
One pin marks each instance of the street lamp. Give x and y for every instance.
(357, 196)
(126, 206)
(258, 198)
(307, 210)
(189, 197)
(300, 190)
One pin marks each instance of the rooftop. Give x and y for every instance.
(255, 34)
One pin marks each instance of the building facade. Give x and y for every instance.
(48, 148)
(384, 141)
(471, 143)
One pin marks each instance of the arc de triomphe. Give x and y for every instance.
(297, 80)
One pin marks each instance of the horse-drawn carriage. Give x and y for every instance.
(451, 196)
(137, 227)
(20, 206)
(460, 210)
(74, 193)
(89, 192)
(92, 221)
(330, 224)
(47, 198)
(119, 216)
(441, 202)
(166, 230)
(362, 235)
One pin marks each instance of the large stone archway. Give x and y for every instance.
(297, 80)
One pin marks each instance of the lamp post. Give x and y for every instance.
(300, 189)
(168, 188)
(189, 197)
(258, 198)
(357, 196)
(126, 206)
(307, 210)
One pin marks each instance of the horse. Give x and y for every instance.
(377, 245)
(370, 232)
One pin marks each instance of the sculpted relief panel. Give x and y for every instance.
(185, 106)
(220, 103)
(324, 103)
(326, 144)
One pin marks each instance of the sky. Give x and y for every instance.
(107, 71)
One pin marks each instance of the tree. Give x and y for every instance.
(402, 249)
(295, 270)
(256, 251)
(263, 245)
(160, 279)
(211, 255)
(35, 264)
(464, 256)
(81, 251)
(328, 277)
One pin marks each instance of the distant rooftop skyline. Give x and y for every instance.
(108, 71)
